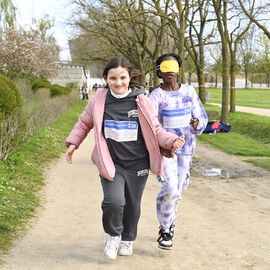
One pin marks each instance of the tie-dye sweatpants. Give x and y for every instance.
(174, 180)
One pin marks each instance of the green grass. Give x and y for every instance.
(249, 136)
(263, 163)
(259, 98)
(21, 175)
(236, 144)
(254, 126)
(251, 125)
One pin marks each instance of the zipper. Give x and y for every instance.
(145, 116)
(149, 123)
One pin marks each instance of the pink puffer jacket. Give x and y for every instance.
(92, 117)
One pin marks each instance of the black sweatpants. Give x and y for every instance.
(121, 205)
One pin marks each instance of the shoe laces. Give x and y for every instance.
(126, 244)
(172, 230)
(163, 235)
(112, 242)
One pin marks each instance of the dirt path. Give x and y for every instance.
(258, 111)
(224, 223)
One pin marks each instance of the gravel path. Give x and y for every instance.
(258, 111)
(223, 223)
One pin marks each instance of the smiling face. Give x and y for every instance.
(118, 80)
(169, 77)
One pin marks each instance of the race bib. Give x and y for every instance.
(176, 118)
(121, 131)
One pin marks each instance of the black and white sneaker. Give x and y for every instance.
(165, 238)
(172, 230)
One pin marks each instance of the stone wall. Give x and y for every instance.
(70, 73)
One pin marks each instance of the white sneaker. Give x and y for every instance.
(126, 248)
(111, 247)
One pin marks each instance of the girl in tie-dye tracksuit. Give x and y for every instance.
(180, 112)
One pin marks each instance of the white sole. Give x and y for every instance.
(168, 248)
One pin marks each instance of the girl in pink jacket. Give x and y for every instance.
(128, 138)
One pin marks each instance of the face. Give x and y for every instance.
(168, 77)
(118, 80)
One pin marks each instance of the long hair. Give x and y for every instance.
(164, 56)
(121, 61)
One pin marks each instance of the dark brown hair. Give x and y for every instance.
(121, 61)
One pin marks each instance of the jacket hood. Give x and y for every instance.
(137, 90)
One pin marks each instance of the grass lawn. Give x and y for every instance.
(236, 144)
(249, 136)
(259, 98)
(263, 163)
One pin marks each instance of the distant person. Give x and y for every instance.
(86, 92)
(180, 112)
(126, 128)
(94, 88)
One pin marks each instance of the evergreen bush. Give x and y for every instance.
(40, 83)
(10, 96)
(57, 90)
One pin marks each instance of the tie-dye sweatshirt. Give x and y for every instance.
(175, 110)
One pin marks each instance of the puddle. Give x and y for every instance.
(219, 172)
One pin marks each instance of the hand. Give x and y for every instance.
(194, 122)
(69, 153)
(178, 143)
(168, 153)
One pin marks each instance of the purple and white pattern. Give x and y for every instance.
(169, 101)
(175, 110)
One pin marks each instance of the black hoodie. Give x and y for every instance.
(123, 111)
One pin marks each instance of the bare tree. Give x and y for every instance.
(197, 39)
(254, 11)
(7, 13)
(220, 7)
(238, 28)
(172, 13)
(121, 28)
(264, 58)
(247, 54)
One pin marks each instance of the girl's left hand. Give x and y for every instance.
(194, 122)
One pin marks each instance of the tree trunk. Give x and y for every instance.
(201, 81)
(222, 28)
(156, 78)
(225, 88)
(232, 87)
(189, 78)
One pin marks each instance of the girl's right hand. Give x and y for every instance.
(69, 153)
(178, 143)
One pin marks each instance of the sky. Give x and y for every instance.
(58, 10)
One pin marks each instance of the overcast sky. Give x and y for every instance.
(59, 10)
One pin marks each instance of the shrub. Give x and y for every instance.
(38, 111)
(57, 90)
(40, 83)
(10, 96)
(13, 131)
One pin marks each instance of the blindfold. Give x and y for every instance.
(169, 66)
